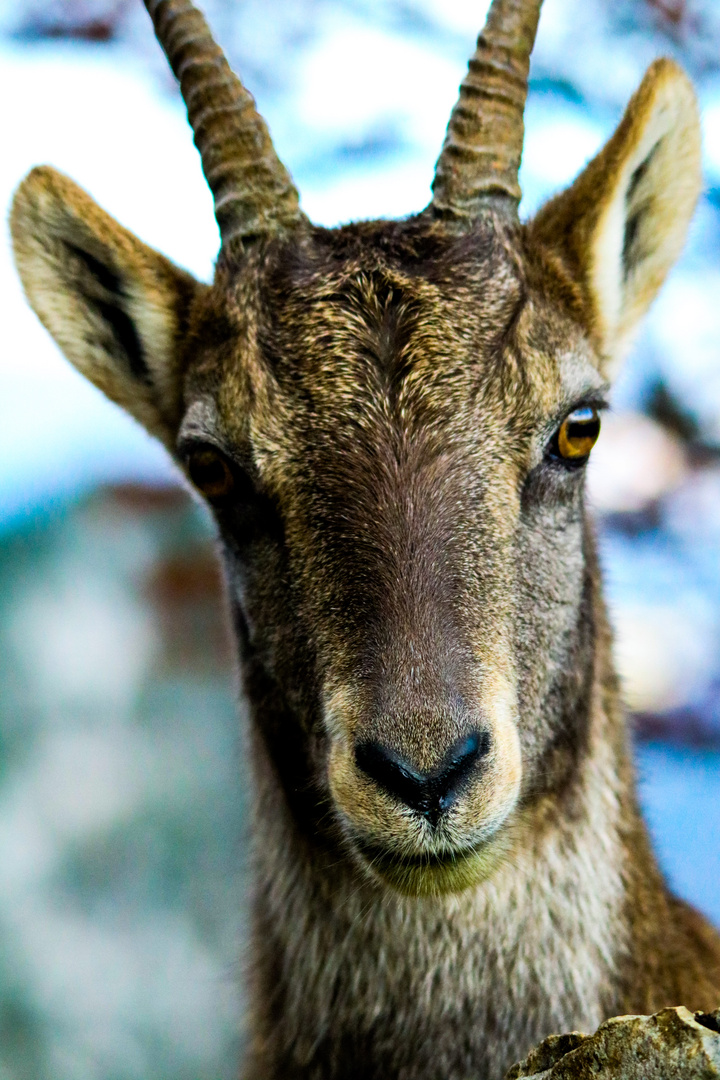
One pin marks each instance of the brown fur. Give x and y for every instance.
(406, 563)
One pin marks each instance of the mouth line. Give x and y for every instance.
(381, 858)
(435, 874)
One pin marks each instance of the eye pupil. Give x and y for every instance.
(578, 434)
(210, 473)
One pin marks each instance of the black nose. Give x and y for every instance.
(432, 793)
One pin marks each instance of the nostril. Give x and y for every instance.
(461, 759)
(390, 771)
(430, 793)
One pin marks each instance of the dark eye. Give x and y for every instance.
(210, 472)
(576, 436)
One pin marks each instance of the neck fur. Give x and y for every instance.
(349, 979)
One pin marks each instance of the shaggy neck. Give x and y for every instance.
(350, 979)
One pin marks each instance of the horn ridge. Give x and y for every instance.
(253, 191)
(480, 159)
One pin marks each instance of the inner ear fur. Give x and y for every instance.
(622, 224)
(118, 310)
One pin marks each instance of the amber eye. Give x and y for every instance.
(577, 435)
(210, 473)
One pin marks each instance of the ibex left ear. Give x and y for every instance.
(117, 309)
(623, 222)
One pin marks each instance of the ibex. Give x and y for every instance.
(391, 422)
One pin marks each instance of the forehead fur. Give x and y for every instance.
(359, 328)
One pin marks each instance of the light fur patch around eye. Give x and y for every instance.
(200, 421)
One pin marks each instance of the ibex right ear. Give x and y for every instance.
(623, 222)
(117, 309)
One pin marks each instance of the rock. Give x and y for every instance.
(674, 1044)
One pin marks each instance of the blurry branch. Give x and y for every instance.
(673, 13)
(690, 29)
(664, 407)
(83, 20)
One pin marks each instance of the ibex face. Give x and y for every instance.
(404, 539)
(391, 423)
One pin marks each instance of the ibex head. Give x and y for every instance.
(390, 421)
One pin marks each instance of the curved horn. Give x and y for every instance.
(480, 158)
(254, 194)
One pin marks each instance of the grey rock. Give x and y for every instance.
(674, 1043)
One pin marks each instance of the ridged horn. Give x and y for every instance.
(480, 158)
(253, 191)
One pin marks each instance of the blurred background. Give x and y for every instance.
(122, 798)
